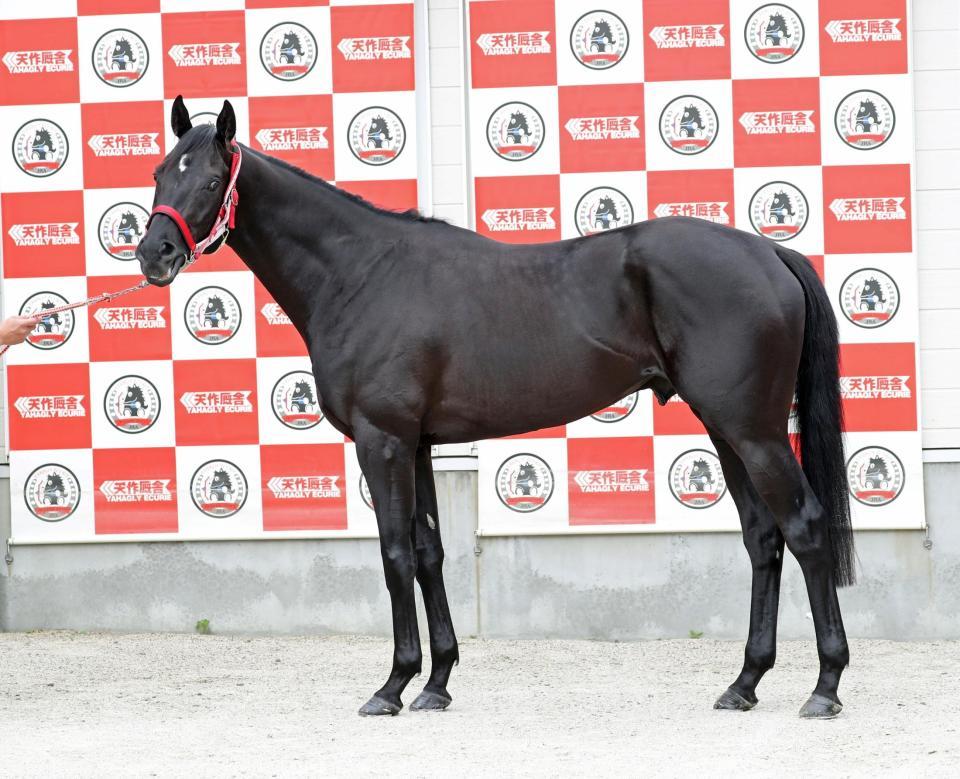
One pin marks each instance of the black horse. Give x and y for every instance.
(214, 314)
(601, 36)
(606, 213)
(867, 117)
(129, 227)
(517, 128)
(776, 32)
(780, 208)
(42, 144)
(221, 486)
(290, 48)
(691, 122)
(134, 401)
(527, 480)
(48, 322)
(877, 476)
(122, 55)
(392, 307)
(53, 490)
(871, 295)
(700, 477)
(302, 397)
(378, 132)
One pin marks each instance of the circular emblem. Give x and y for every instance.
(869, 298)
(294, 401)
(601, 209)
(688, 124)
(696, 479)
(376, 135)
(218, 488)
(53, 330)
(212, 315)
(779, 210)
(774, 33)
(52, 492)
(524, 483)
(864, 120)
(365, 492)
(599, 40)
(203, 117)
(616, 412)
(875, 476)
(515, 131)
(40, 148)
(288, 51)
(120, 58)
(132, 404)
(120, 230)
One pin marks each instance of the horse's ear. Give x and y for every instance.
(226, 124)
(179, 117)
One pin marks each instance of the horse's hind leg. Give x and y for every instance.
(429, 549)
(778, 478)
(764, 543)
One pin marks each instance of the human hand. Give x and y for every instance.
(15, 329)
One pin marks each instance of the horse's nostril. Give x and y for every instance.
(168, 251)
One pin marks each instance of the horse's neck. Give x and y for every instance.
(292, 233)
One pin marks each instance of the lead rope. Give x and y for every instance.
(101, 298)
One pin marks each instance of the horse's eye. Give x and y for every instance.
(213, 184)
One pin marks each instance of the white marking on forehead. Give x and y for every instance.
(184, 161)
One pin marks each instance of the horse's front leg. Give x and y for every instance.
(387, 462)
(444, 652)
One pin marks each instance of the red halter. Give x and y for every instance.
(225, 219)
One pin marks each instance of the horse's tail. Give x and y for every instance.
(820, 413)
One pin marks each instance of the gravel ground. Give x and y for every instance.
(99, 704)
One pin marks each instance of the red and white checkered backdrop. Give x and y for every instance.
(187, 411)
(792, 121)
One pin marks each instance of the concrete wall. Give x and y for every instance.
(611, 587)
(583, 586)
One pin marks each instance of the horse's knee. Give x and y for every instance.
(807, 535)
(399, 563)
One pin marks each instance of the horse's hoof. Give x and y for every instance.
(430, 701)
(820, 707)
(378, 707)
(731, 700)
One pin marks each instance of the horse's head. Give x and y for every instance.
(128, 221)
(781, 200)
(690, 114)
(42, 138)
(215, 306)
(601, 29)
(134, 393)
(221, 480)
(291, 41)
(867, 108)
(776, 22)
(193, 179)
(607, 206)
(54, 482)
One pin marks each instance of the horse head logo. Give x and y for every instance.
(53, 489)
(129, 227)
(215, 312)
(378, 132)
(48, 321)
(122, 54)
(133, 401)
(700, 475)
(776, 32)
(517, 128)
(601, 36)
(220, 486)
(867, 116)
(780, 208)
(290, 48)
(527, 479)
(871, 294)
(302, 396)
(606, 213)
(42, 144)
(691, 121)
